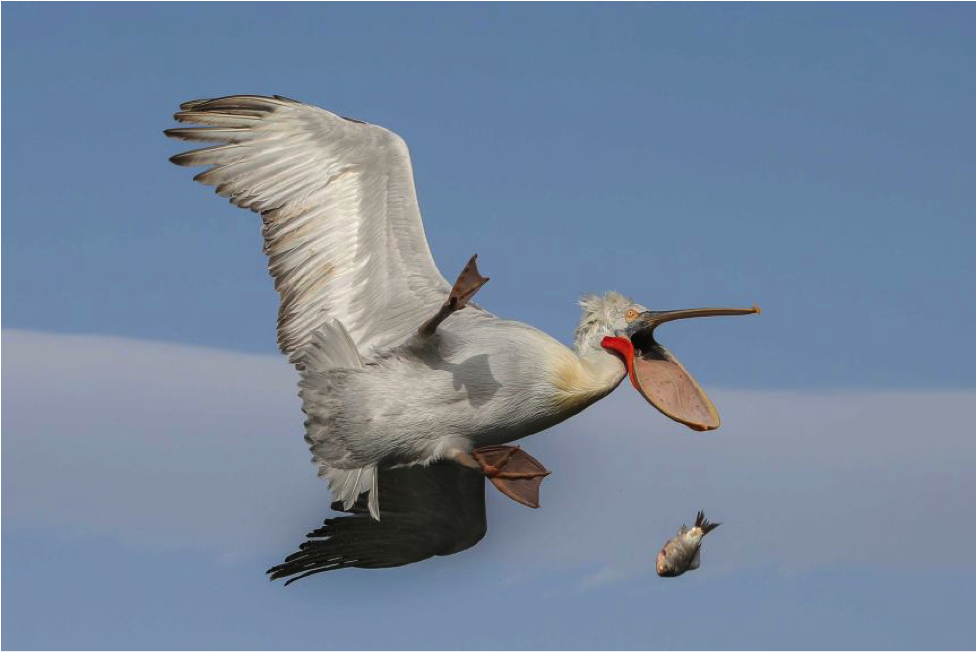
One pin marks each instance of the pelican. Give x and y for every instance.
(412, 391)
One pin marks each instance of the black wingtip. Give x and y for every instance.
(190, 104)
(427, 511)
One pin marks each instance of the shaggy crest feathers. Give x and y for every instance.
(600, 316)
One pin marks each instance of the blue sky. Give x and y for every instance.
(814, 159)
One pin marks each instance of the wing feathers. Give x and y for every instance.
(229, 134)
(205, 156)
(424, 511)
(341, 224)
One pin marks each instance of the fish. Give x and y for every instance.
(681, 552)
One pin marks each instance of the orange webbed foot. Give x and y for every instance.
(513, 471)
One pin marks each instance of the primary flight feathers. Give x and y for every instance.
(342, 227)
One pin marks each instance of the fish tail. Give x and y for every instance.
(703, 524)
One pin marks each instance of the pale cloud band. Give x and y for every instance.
(165, 445)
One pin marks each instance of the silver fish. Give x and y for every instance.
(681, 552)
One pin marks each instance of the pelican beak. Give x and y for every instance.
(659, 376)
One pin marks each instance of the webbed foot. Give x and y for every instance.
(513, 471)
(468, 283)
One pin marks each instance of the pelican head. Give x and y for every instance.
(620, 326)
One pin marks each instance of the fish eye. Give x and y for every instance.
(630, 315)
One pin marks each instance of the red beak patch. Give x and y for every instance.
(623, 347)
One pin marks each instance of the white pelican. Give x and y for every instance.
(402, 379)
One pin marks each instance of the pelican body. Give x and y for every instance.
(399, 369)
(479, 381)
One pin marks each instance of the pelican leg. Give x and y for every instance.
(468, 283)
(512, 470)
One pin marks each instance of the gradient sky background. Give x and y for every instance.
(814, 159)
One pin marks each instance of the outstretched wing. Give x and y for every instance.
(424, 511)
(342, 228)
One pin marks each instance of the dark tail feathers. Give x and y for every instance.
(705, 525)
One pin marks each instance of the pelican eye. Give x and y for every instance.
(630, 315)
